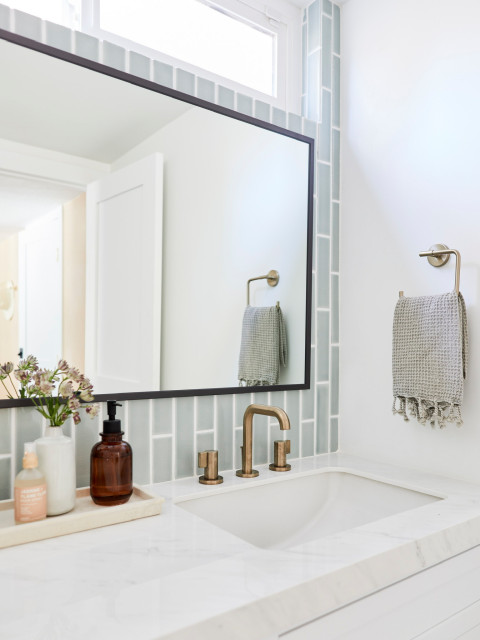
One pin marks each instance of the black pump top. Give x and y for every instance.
(112, 425)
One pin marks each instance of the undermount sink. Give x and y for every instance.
(281, 513)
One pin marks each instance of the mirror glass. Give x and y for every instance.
(132, 217)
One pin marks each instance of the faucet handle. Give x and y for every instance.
(281, 448)
(209, 460)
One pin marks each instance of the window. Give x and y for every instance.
(242, 44)
(198, 34)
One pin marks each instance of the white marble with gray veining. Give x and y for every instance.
(177, 576)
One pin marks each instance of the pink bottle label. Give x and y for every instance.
(30, 503)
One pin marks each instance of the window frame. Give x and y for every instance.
(285, 25)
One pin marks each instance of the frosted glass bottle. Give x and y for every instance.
(30, 489)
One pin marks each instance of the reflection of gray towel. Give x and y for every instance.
(429, 359)
(263, 348)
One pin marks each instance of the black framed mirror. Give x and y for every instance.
(137, 215)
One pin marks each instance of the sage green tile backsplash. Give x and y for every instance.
(167, 433)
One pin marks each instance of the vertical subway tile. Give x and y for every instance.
(87, 46)
(260, 432)
(294, 123)
(113, 55)
(4, 17)
(262, 110)
(205, 442)
(162, 459)
(323, 346)
(304, 58)
(336, 91)
(5, 439)
(313, 34)
(322, 418)
(336, 29)
(308, 401)
(58, 36)
(304, 106)
(323, 272)
(27, 25)
(5, 488)
(327, 7)
(334, 383)
(279, 117)
(308, 439)
(224, 431)
(205, 413)
(335, 310)
(184, 437)
(335, 164)
(163, 73)
(310, 128)
(184, 81)
(313, 86)
(324, 141)
(292, 408)
(139, 65)
(335, 236)
(29, 428)
(206, 89)
(237, 464)
(244, 104)
(323, 198)
(260, 439)
(226, 98)
(139, 439)
(333, 434)
(326, 52)
(162, 409)
(86, 435)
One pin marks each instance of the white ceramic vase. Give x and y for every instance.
(56, 460)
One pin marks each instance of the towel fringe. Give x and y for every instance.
(437, 413)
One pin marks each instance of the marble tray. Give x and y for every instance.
(85, 515)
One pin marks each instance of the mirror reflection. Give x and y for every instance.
(130, 223)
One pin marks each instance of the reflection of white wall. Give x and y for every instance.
(411, 137)
(249, 226)
(40, 286)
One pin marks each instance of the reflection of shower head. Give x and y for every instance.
(7, 298)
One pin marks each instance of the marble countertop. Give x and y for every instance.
(177, 576)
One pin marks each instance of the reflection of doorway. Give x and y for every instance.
(124, 278)
(40, 288)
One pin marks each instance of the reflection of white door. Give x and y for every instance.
(40, 284)
(123, 287)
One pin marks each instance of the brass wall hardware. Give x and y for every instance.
(280, 450)
(209, 460)
(272, 279)
(438, 255)
(247, 453)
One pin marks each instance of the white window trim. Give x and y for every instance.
(285, 24)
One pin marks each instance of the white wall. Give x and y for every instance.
(410, 178)
(248, 226)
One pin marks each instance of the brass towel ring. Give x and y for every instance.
(272, 279)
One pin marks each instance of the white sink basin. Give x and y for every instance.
(284, 512)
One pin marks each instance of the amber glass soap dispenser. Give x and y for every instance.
(111, 464)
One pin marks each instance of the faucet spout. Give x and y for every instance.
(247, 449)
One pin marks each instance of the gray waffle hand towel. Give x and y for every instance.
(263, 348)
(429, 359)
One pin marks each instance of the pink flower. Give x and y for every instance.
(76, 417)
(63, 365)
(92, 410)
(65, 389)
(73, 403)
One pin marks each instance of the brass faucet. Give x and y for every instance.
(246, 471)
